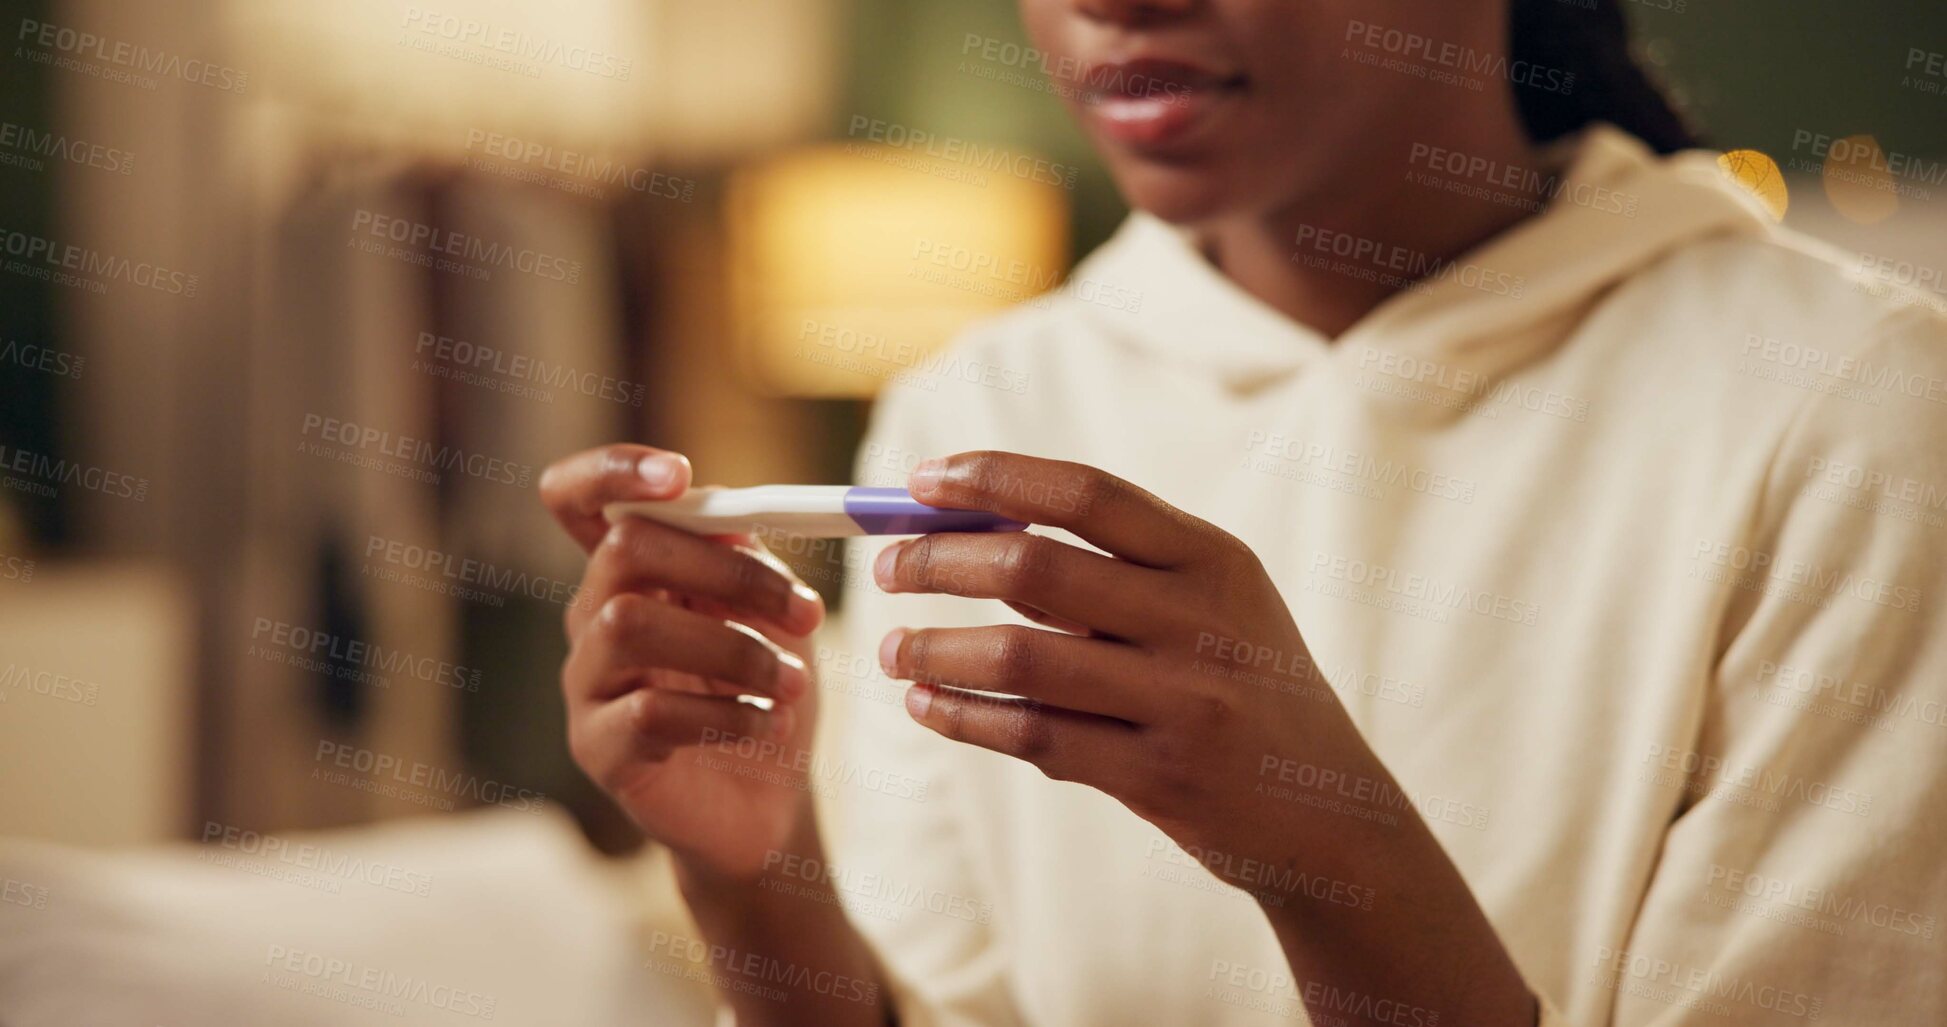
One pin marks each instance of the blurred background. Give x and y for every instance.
(297, 300)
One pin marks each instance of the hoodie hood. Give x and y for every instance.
(1616, 209)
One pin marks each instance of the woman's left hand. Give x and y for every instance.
(1176, 682)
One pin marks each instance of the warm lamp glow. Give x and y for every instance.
(850, 265)
(694, 82)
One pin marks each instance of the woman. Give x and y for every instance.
(1519, 625)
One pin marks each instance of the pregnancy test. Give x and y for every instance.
(814, 511)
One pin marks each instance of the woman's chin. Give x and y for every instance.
(1177, 196)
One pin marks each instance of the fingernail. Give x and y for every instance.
(793, 680)
(660, 470)
(802, 609)
(889, 650)
(927, 476)
(919, 699)
(882, 567)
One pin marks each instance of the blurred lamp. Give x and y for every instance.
(851, 265)
(698, 82)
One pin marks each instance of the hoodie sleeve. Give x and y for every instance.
(1803, 877)
(905, 857)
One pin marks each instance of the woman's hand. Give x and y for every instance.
(667, 631)
(1177, 682)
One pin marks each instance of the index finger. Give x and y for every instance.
(1104, 510)
(575, 488)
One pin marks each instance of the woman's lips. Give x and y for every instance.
(1151, 102)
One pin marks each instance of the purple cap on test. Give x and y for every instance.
(892, 511)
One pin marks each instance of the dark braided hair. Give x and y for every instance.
(1589, 38)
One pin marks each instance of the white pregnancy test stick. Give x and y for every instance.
(813, 511)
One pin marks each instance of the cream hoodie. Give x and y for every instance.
(1623, 539)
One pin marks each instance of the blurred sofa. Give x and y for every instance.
(495, 916)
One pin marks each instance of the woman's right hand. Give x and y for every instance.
(667, 630)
